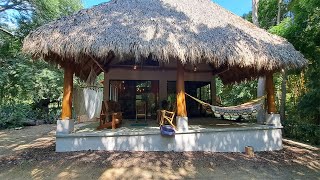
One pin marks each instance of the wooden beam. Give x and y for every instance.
(98, 64)
(221, 69)
(67, 92)
(181, 99)
(155, 68)
(270, 94)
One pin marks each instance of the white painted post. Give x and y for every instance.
(261, 92)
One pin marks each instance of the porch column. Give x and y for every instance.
(163, 86)
(182, 119)
(106, 88)
(270, 94)
(66, 124)
(67, 93)
(271, 116)
(213, 91)
(261, 91)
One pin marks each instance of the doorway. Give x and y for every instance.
(200, 90)
(130, 92)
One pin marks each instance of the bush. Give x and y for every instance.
(302, 131)
(13, 116)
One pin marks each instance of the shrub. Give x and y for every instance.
(302, 131)
(13, 116)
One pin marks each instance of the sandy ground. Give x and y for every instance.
(29, 154)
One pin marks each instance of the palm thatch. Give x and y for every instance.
(190, 31)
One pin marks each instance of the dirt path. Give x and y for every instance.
(15, 141)
(29, 154)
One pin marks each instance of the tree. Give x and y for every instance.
(268, 13)
(299, 22)
(255, 7)
(18, 5)
(305, 34)
(24, 82)
(284, 76)
(261, 80)
(36, 12)
(303, 31)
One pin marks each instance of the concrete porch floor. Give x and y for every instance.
(151, 125)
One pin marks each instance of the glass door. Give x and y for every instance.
(132, 92)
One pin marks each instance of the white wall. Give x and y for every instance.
(214, 140)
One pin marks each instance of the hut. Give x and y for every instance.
(157, 43)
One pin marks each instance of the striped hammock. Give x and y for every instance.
(247, 109)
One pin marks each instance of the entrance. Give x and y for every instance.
(200, 90)
(130, 92)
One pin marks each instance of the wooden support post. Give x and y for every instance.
(67, 92)
(162, 91)
(106, 88)
(181, 99)
(270, 94)
(213, 91)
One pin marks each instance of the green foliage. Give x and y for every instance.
(24, 82)
(235, 94)
(304, 34)
(248, 16)
(309, 106)
(12, 116)
(282, 29)
(267, 13)
(46, 11)
(300, 25)
(297, 129)
(303, 31)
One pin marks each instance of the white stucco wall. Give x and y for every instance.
(214, 140)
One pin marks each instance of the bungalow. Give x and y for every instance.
(160, 47)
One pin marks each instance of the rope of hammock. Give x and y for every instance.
(245, 109)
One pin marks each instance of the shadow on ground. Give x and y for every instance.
(37, 159)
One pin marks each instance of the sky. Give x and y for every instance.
(238, 7)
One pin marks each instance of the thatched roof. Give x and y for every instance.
(190, 31)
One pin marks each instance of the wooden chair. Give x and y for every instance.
(167, 116)
(116, 117)
(141, 111)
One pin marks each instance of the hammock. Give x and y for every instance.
(247, 109)
(92, 99)
(88, 99)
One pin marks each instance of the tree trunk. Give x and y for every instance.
(279, 12)
(255, 6)
(213, 87)
(284, 78)
(270, 94)
(283, 96)
(262, 80)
